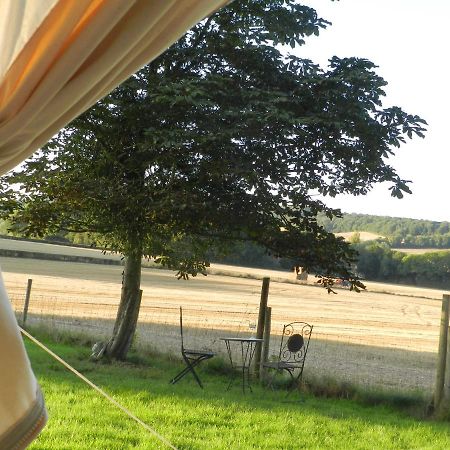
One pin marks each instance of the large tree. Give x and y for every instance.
(226, 136)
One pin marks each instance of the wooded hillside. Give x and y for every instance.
(400, 232)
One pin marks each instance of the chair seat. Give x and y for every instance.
(282, 365)
(198, 352)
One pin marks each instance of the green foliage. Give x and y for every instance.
(86, 239)
(401, 232)
(225, 137)
(4, 227)
(376, 261)
(355, 238)
(222, 138)
(10, 228)
(248, 254)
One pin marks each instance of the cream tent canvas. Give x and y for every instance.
(57, 58)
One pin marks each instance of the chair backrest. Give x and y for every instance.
(295, 342)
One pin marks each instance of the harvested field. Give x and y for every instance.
(363, 235)
(420, 251)
(408, 321)
(385, 336)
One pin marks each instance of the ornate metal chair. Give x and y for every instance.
(191, 357)
(293, 349)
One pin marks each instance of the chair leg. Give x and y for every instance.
(190, 364)
(191, 368)
(295, 381)
(180, 375)
(272, 377)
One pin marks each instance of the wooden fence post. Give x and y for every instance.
(260, 327)
(266, 343)
(445, 398)
(442, 355)
(27, 302)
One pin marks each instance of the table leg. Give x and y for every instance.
(248, 349)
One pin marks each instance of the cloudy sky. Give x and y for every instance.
(408, 40)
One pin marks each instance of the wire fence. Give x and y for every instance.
(344, 356)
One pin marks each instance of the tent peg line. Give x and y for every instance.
(99, 390)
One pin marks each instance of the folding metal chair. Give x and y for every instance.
(293, 349)
(192, 358)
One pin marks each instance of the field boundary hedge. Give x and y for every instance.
(57, 257)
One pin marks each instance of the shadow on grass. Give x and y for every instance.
(332, 367)
(159, 368)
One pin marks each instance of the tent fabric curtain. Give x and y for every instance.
(78, 52)
(57, 58)
(19, 391)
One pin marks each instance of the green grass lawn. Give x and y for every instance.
(212, 418)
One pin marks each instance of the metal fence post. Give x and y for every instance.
(442, 355)
(260, 327)
(27, 302)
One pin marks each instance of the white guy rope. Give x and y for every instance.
(99, 390)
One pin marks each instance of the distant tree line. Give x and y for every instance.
(249, 254)
(239, 253)
(399, 232)
(377, 262)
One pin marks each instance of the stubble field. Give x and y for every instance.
(386, 315)
(391, 323)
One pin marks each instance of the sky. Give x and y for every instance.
(408, 40)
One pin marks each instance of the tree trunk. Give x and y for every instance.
(130, 302)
